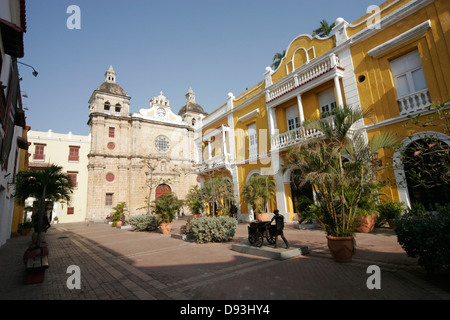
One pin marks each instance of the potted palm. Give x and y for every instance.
(118, 215)
(47, 186)
(25, 227)
(257, 191)
(339, 167)
(166, 207)
(390, 211)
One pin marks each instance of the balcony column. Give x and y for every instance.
(301, 115)
(337, 85)
(209, 150)
(224, 142)
(272, 121)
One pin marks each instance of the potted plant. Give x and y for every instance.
(166, 207)
(340, 169)
(367, 213)
(55, 220)
(118, 215)
(257, 191)
(25, 227)
(390, 211)
(194, 201)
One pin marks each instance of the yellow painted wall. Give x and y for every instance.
(296, 55)
(23, 166)
(377, 91)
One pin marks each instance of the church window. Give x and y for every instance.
(118, 107)
(109, 199)
(112, 132)
(107, 108)
(162, 144)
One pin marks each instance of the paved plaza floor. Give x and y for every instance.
(120, 264)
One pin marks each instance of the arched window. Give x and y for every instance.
(107, 108)
(118, 108)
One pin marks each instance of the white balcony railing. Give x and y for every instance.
(220, 161)
(293, 137)
(302, 76)
(414, 102)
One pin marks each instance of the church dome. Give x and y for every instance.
(191, 105)
(110, 85)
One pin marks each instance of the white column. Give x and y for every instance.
(209, 150)
(272, 120)
(300, 109)
(337, 85)
(224, 142)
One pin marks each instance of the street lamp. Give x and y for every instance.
(35, 73)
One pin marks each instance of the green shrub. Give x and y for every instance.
(389, 210)
(144, 222)
(426, 235)
(213, 229)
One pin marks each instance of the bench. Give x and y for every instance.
(37, 263)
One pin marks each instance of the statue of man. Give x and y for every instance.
(279, 222)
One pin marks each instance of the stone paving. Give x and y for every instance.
(120, 264)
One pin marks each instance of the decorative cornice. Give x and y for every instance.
(401, 39)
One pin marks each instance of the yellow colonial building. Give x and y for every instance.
(393, 61)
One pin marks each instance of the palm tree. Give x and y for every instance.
(324, 30)
(258, 190)
(277, 59)
(339, 167)
(47, 186)
(194, 200)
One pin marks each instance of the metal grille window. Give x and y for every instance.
(162, 144)
(109, 199)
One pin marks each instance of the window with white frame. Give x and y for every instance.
(408, 75)
(253, 141)
(327, 101)
(292, 118)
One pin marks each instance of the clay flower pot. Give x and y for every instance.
(166, 228)
(341, 248)
(262, 216)
(365, 224)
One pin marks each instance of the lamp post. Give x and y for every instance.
(35, 73)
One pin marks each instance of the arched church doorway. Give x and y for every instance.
(161, 190)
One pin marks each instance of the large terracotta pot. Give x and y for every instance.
(166, 228)
(341, 248)
(365, 224)
(262, 216)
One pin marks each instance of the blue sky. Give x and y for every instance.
(213, 46)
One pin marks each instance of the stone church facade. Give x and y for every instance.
(135, 157)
